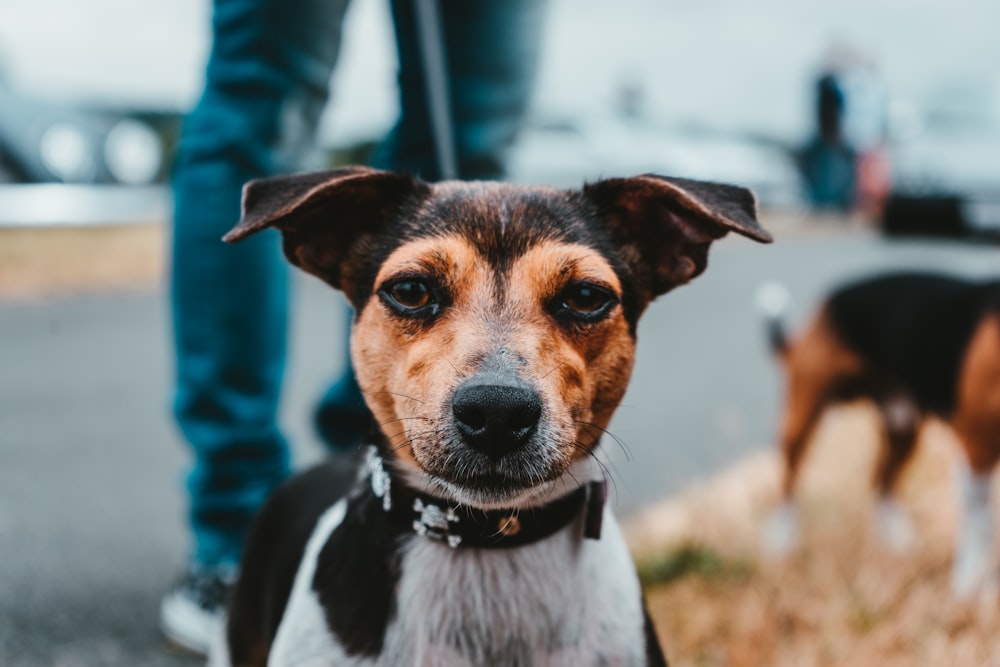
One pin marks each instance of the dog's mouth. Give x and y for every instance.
(473, 478)
(503, 477)
(494, 492)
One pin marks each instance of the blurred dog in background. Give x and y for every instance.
(916, 345)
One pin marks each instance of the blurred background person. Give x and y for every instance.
(866, 130)
(828, 162)
(845, 164)
(266, 84)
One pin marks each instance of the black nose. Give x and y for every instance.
(496, 419)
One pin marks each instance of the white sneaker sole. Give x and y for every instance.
(187, 625)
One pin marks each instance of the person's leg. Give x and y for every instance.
(342, 419)
(491, 50)
(266, 83)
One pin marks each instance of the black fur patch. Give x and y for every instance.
(356, 575)
(654, 653)
(273, 551)
(913, 328)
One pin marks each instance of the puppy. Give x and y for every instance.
(494, 334)
(915, 344)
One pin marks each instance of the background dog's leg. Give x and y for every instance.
(781, 530)
(817, 365)
(901, 426)
(977, 423)
(974, 552)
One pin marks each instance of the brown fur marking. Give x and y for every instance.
(816, 363)
(977, 416)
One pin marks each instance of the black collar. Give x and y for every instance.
(459, 526)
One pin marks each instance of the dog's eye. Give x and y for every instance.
(584, 301)
(410, 296)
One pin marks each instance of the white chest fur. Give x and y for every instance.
(559, 602)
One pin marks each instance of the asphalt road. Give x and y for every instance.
(91, 469)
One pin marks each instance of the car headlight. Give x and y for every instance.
(133, 153)
(67, 153)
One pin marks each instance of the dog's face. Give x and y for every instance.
(492, 354)
(495, 325)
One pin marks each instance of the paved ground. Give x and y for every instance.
(90, 468)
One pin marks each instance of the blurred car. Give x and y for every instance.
(563, 150)
(946, 166)
(48, 142)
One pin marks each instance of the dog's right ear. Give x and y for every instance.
(663, 226)
(327, 219)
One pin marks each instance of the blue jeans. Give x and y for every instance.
(266, 84)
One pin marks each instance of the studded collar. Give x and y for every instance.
(459, 526)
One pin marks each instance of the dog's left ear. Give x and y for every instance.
(663, 226)
(327, 219)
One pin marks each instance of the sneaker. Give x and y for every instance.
(191, 613)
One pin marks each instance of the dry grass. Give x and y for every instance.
(70, 260)
(843, 598)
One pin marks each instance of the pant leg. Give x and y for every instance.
(342, 419)
(266, 82)
(491, 51)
